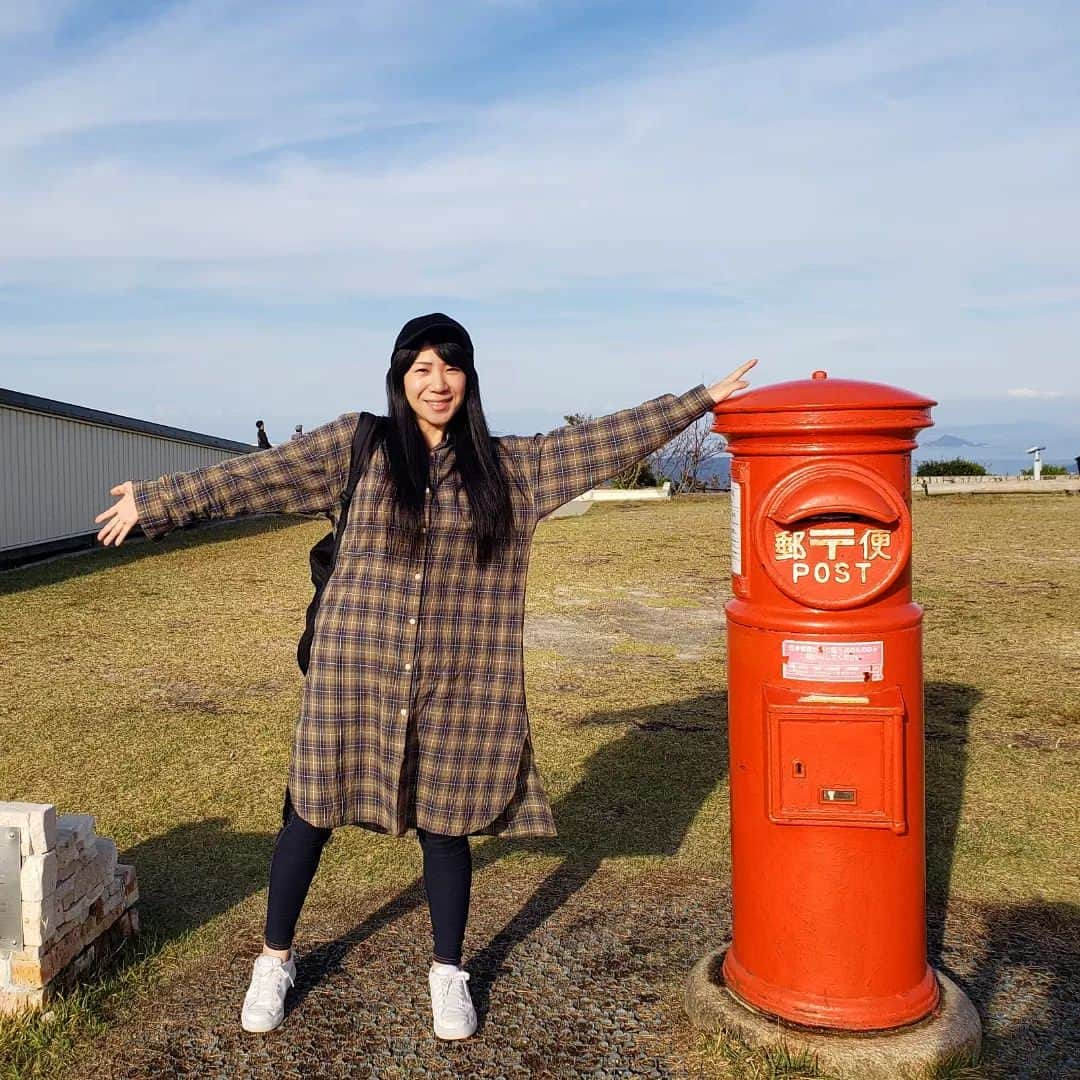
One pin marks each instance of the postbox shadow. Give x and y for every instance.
(948, 709)
(639, 795)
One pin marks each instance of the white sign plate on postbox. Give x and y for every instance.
(736, 528)
(834, 661)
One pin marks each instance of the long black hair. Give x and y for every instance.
(478, 464)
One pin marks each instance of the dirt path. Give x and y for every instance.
(575, 974)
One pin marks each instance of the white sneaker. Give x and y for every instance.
(451, 1007)
(264, 1003)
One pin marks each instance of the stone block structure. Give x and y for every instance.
(75, 900)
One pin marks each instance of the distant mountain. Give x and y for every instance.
(1002, 448)
(1060, 439)
(950, 440)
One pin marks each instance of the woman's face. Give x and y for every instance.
(434, 389)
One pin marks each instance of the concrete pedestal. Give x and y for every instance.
(951, 1033)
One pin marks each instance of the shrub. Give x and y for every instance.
(1047, 470)
(636, 476)
(955, 467)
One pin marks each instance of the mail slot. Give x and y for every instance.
(833, 538)
(838, 795)
(825, 706)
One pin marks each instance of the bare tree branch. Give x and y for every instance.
(684, 458)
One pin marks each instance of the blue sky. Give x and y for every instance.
(215, 210)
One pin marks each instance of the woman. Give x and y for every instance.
(413, 712)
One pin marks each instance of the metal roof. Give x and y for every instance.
(49, 407)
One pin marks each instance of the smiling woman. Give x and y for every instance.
(434, 395)
(435, 388)
(414, 713)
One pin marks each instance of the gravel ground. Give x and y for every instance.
(576, 974)
(573, 975)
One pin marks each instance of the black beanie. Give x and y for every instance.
(433, 329)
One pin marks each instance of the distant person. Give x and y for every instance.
(298, 431)
(414, 713)
(264, 442)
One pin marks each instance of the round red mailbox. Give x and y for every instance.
(825, 704)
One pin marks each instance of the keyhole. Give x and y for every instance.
(798, 768)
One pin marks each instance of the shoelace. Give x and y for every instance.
(265, 988)
(455, 983)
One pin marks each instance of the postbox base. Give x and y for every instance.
(823, 1011)
(951, 1033)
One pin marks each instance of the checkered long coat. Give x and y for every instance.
(413, 710)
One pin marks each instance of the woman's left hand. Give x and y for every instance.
(735, 381)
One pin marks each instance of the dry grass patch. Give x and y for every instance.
(156, 688)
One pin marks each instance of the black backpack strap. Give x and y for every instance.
(365, 436)
(362, 446)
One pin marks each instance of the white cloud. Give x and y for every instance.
(1028, 392)
(855, 202)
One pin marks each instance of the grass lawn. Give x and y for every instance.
(156, 688)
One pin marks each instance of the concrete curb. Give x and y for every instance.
(951, 1033)
(1054, 485)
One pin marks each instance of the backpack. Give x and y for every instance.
(323, 555)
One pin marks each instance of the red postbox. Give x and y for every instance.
(825, 706)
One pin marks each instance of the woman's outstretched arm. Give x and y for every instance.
(572, 459)
(302, 476)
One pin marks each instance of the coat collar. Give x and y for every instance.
(446, 444)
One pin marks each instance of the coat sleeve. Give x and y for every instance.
(572, 459)
(305, 475)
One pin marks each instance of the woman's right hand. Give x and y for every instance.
(722, 390)
(123, 513)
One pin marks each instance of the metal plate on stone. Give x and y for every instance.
(10, 888)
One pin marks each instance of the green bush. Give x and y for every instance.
(955, 467)
(1047, 470)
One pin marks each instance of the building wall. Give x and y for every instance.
(56, 472)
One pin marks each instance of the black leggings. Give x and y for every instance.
(447, 881)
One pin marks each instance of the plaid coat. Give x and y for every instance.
(413, 709)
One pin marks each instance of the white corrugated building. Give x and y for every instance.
(58, 462)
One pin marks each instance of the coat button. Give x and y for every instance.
(412, 622)
(408, 667)
(418, 575)
(404, 712)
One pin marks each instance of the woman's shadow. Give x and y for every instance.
(639, 796)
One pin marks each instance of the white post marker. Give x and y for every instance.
(1036, 461)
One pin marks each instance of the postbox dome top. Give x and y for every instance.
(821, 406)
(822, 392)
